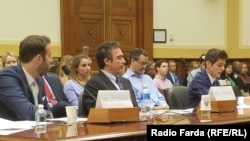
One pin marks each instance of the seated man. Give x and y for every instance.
(215, 61)
(53, 90)
(201, 67)
(19, 88)
(111, 64)
(135, 73)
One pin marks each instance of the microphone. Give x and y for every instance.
(66, 70)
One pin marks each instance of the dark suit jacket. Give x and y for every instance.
(101, 82)
(16, 98)
(53, 80)
(169, 77)
(199, 86)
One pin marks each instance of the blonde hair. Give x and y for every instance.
(65, 61)
(4, 57)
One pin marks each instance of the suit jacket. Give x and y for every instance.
(169, 77)
(101, 82)
(16, 98)
(56, 86)
(200, 85)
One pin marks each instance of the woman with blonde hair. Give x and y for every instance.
(64, 66)
(9, 59)
(80, 74)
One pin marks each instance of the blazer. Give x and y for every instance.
(101, 82)
(56, 86)
(200, 85)
(169, 77)
(16, 98)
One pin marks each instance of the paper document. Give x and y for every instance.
(65, 119)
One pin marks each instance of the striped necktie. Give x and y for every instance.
(48, 93)
(35, 90)
(118, 82)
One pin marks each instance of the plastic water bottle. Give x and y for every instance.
(40, 118)
(146, 101)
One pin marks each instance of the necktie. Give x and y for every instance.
(118, 82)
(176, 81)
(49, 94)
(34, 89)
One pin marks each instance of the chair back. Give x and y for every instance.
(80, 107)
(177, 97)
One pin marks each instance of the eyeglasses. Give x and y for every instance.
(142, 63)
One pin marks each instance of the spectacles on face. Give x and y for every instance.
(142, 63)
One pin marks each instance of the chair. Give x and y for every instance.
(80, 107)
(177, 97)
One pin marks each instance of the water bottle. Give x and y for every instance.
(40, 119)
(146, 100)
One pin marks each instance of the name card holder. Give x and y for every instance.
(222, 99)
(108, 115)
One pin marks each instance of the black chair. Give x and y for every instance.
(177, 97)
(236, 91)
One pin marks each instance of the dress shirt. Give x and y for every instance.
(162, 83)
(72, 90)
(137, 81)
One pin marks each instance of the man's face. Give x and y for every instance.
(216, 69)
(172, 67)
(47, 61)
(116, 66)
(163, 69)
(139, 65)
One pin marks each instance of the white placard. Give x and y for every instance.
(205, 103)
(113, 99)
(221, 93)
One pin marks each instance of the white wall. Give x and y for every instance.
(192, 22)
(19, 18)
(245, 22)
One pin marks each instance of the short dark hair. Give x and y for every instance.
(159, 62)
(136, 52)
(32, 46)
(105, 51)
(214, 54)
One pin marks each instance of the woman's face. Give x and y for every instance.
(229, 69)
(83, 68)
(10, 61)
(244, 68)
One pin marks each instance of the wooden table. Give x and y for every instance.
(135, 131)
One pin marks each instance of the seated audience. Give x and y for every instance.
(111, 64)
(9, 59)
(243, 80)
(236, 68)
(192, 74)
(135, 73)
(80, 72)
(215, 61)
(194, 65)
(160, 80)
(228, 75)
(172, 75)
(64, 66)
(20, 90)
(150, 69)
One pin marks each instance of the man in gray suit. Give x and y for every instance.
(111, 64)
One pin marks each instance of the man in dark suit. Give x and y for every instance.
(55, 93)
(19, 88)
(111, 64)
(172, 75)
(215, 61)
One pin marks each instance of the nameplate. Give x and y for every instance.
(113, 99)
(221, 93)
